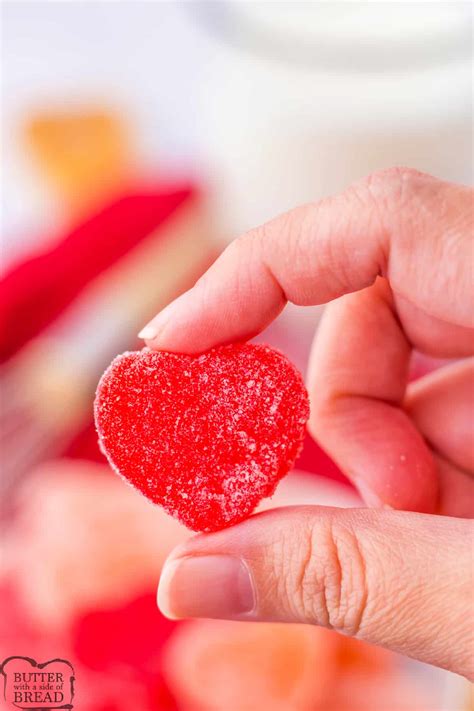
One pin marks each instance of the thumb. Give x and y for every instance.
(397, 579)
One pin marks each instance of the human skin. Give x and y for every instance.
(393, 256)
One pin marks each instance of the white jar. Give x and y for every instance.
(300, 99)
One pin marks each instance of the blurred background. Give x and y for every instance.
(138, 138)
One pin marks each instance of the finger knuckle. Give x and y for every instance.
(387, 191)
(331, 584)
(392, 181)
(284, 248)
(260, 237)
(242, 253)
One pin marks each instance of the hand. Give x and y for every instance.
(395, 251)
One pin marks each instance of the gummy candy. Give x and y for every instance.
(206, 436)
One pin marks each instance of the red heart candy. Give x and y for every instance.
(206, 436)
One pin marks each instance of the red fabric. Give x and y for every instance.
(127, 640)
(131, 634)
(85, 445)
(36, 291)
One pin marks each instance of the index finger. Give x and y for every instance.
(318, 252)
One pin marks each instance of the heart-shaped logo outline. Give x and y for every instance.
(40, 666)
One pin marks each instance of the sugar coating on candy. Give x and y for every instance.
(206, 437)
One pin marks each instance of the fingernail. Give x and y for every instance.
(154, 327)
(215, 586)
(368, 495)
(148, 332)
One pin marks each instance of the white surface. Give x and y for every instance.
(283, 126)
(423, 27)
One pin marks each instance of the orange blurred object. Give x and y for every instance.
(213, 665)
(85, 154)
(362, 658)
